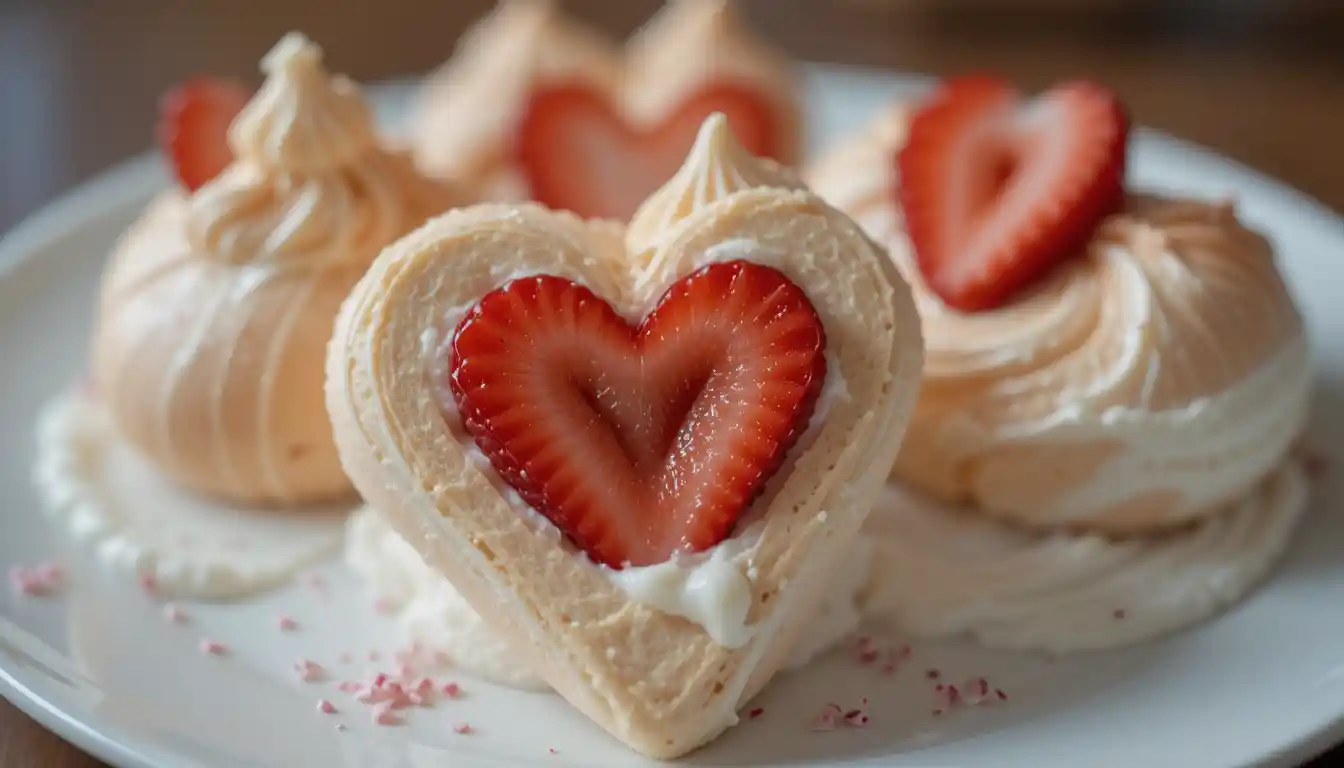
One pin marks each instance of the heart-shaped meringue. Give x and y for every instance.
(660, 656)
(536, 105)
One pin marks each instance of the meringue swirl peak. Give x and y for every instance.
(303, 120)
(311, 183)
(716, 167)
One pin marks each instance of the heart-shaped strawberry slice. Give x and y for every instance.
(639, 442)
(996, 190)
(579, 154)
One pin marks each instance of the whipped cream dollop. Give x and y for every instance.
(1146, 383)
(111, 500)
(216, 307)
(941, 571)
(433, 614)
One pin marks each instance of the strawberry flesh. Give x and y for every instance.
(579, 154)
(193, 128)
(996, 191)
(640, 442)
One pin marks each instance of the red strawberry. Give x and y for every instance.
(580, 155)
(640, 442)
(193, 128)
(997, 191)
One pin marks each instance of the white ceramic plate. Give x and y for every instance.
(100, 667)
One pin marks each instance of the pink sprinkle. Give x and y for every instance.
(755, 713)
(309, 671)
(49, 572)
(552, 750)
(452, 690)
(380, 680)
(41, 580)
(148, 583)
(856, 718)
(212, 647)
(1002, 696)
(326, 707)
(423, 686)
(286, 623)
(383, 715)
(349, 686)
(416, 699)
(173, 613)
(463, 728)
(826, 719)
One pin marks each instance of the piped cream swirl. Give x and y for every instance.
(1153, 379)
(312, 184)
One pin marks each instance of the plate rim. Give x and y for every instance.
(142, 175)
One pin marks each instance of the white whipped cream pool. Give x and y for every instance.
(941, 572)
(933, 572)
(112, 500)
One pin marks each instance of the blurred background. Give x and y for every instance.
(1259, 80)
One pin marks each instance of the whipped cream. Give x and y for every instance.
(433, 614)
(943, 571)
(216, 307)
(110, 499)
(1144, 384)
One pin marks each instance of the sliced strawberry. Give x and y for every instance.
(996, 191)
(640, 442)
(580, 155)
(193, 128)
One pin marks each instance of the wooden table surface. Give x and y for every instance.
(1262, 82)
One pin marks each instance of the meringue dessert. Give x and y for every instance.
(1111, 438)
(217, 304)
(203, 415)
(535, 106)
(511, 394)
